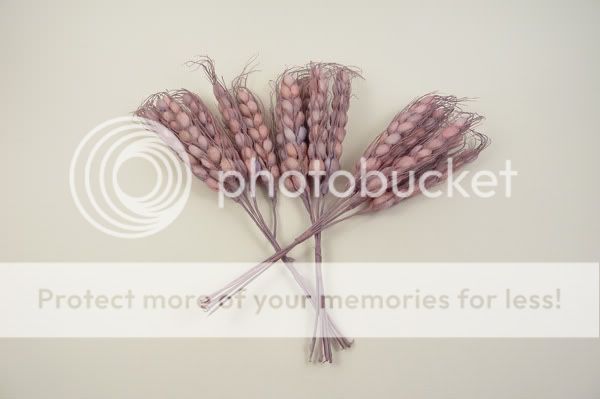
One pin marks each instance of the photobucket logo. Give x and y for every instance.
(94, 182)
(374, 183)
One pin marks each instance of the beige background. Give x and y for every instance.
(533, 65)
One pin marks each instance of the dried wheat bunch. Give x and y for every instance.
(309, 114)
(255, 147)
(230, 115)
(317, 118)
(326, 95)
(210, 151)
(425, 136)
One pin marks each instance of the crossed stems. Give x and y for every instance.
(333, 215)
(330, 331)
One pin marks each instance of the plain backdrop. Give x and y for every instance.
(531, 68)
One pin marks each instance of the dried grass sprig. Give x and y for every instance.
(342, 91)
(291, 132)
(318, 118)
(257, 126)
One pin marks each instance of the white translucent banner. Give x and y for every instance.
(363, 299)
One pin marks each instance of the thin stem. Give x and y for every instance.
(313, 214)
(274, 210)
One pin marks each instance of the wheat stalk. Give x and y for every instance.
(291, 133)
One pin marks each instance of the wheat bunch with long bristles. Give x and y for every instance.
(291, 118)
(211, 152)
(237, 127)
